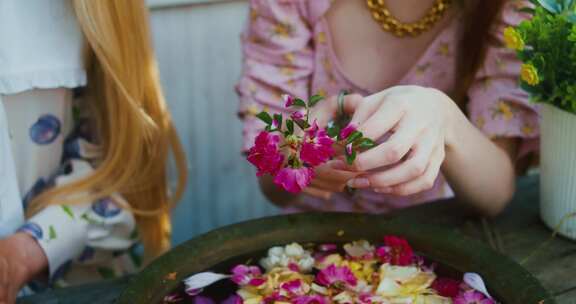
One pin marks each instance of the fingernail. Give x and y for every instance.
(383, 190)
(360, 182)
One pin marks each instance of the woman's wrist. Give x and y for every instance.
(455, 122)
(32, 254)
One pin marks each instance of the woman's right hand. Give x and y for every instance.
(329, 178)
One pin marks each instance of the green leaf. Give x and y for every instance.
(299, 103)
(571, 17)
(290, 126)
(354, 136)
(302, 124)
(350, 157)
(528, 10)
(365, 143)
(68, 211)
(314, 100)
(550, 5)
(88, 219)
(265, 117)
(51, 232)
(278, 119)
(333, 130)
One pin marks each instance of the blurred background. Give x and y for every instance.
(198, 49)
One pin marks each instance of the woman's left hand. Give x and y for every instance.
(419, 121)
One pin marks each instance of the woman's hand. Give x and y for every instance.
(328, 178)
(419, 121)
(21, 259)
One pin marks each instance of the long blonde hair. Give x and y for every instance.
(131, 121)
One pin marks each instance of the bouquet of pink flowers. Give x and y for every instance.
(289, 149)
(357, 272)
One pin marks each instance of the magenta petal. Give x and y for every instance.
(327, 247)
(298, 115)
(288, 100)
(349, 129)
(317, 147)
(265, 155)
(294, 180)
(315, 299)
(333, 274)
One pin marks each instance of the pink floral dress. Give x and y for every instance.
(287, 48)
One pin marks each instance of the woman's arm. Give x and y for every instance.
(21, 260)
(481, 171)
(278, 58)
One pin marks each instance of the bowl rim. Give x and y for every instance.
(437, 242)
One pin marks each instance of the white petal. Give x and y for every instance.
(203, 279)
(475, 281)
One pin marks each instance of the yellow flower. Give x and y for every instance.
(513, 39)
(529, 74)
(505, 110)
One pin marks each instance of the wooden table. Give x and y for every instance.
(518, 233)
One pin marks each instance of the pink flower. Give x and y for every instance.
(293, 288)
(472, 297)
(273, 298)
(446, 287)
(327, 247)
(265, 155)
(334, 275)
(294, 180)
(396, 251)
(315, 299)
(275, 125)
(294, 267)
(349, 149)
(247, 275)
(317, 147)
(298, 115)
(288, 100)
(349, 129)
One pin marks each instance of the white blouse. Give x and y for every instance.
(40, 46)
(44, 142)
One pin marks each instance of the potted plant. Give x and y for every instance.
(546, 45)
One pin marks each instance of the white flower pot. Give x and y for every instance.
(558, 170)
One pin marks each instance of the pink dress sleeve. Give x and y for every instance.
(278, 59)
(498, 106)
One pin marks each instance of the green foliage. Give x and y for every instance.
(550, 46)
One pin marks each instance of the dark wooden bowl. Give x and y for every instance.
(506, 280)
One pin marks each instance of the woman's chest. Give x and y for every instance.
(354, 53)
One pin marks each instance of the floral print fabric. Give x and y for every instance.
(287, 49)
(83, 242)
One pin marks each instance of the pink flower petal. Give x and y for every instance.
(349, 129)
(294, 180)
(288, 100)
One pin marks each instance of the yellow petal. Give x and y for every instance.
(398, 273)
(388, 288)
